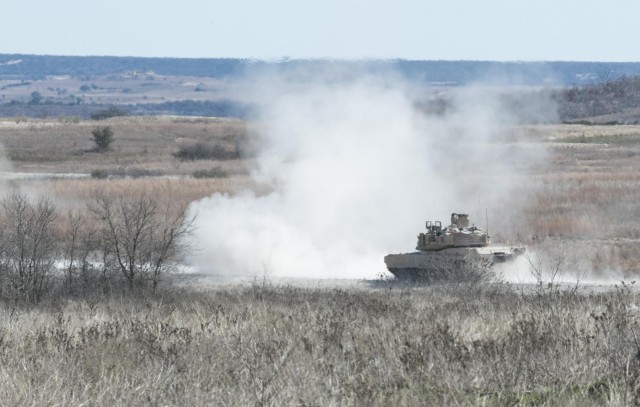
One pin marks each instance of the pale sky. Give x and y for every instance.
(576, 30)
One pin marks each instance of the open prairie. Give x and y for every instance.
(58, 156)
(263, 344)
(586, 203)
(374, 343)
(585, 193)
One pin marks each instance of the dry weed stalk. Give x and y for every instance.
(282, 345)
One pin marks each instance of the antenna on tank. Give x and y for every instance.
(486, 214)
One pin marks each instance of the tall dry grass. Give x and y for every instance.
(276, 345)
(176, 190)
(584, 200)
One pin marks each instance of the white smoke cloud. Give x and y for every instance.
(355, 169)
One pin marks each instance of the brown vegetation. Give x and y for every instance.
(274, 345)
(267, 345)
(586, 199)
(617, 100)
(136, 239)
(585, 194)
(143, 158)
(74, 193)
(144, 142)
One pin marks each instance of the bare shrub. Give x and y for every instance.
(215, 172)
(125, 172)
(99, 174)
(140, 239)
(80, 254)
(108, 113)
(204, 151)
(549, 271)
(28, 245)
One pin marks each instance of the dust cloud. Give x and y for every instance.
(355, 167)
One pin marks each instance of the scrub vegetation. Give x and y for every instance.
(263, 344)
(117, 241)
(109, 330)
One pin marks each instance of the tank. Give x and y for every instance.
(457, 252)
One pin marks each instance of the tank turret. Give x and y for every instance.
(457, 234)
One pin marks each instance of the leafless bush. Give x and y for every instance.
(140, 239)
(549, 271)
(205, 151)
(135, 240)
(81, 255)
(28, 245)
(125, 172)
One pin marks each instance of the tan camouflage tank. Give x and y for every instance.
(458, 252)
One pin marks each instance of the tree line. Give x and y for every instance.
(120, 242)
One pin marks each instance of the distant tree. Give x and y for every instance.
(103, 137)
(36, 97)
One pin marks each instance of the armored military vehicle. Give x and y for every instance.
(457, 252)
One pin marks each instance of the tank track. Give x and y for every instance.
(456, 271)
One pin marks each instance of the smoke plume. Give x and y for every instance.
(355, 167)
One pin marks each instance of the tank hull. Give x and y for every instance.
(464, 264)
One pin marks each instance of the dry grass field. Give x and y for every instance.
(61, 146)
(587, 196)
(587, 188)
(282, 345)
(141, 157)
(268, 344)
